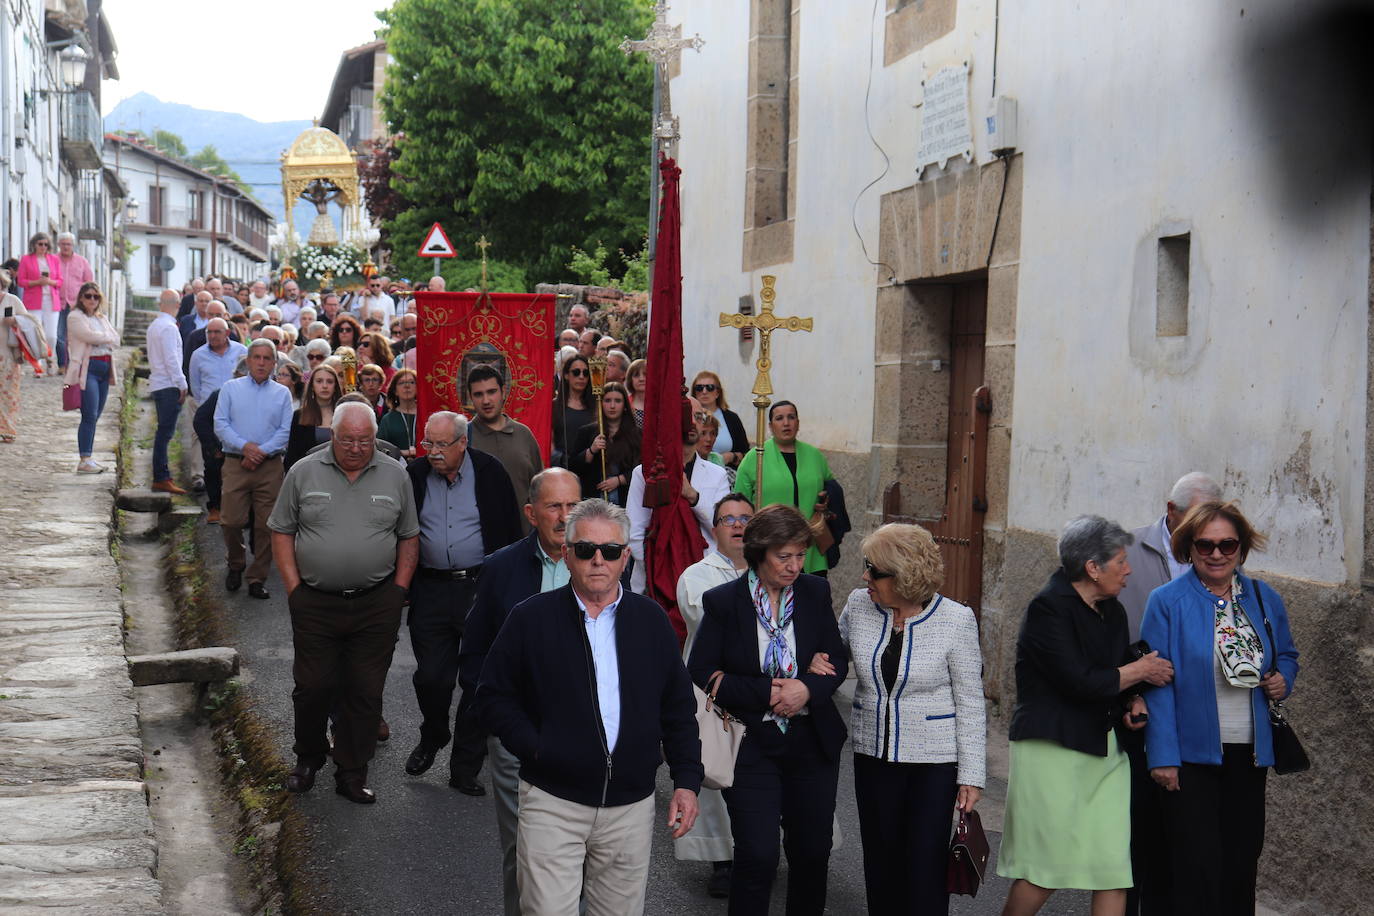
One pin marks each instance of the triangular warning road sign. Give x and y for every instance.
(437, 245)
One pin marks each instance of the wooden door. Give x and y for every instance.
(959, 529)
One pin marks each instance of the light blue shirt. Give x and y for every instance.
(1176, 568)
(450, 528)
(601, 635)
(210, 370)
(251, 412)
(552, 573)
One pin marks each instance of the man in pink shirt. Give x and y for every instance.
(76, 270)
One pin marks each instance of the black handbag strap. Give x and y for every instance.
(1273, 643)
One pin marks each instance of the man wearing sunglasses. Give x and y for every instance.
(1152, 565)
(467, 510)
(585, 686)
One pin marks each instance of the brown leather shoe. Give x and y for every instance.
(383, 731)
(355, 791)
(301, 778)
(212, 517)
(168, 486)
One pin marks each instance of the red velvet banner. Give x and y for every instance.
(511, 331)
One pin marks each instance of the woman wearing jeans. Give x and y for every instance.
(91, 340)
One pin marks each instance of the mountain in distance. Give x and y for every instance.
(252, 148)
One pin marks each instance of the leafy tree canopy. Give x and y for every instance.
(592, 268)
(523, 120)
(170, 143)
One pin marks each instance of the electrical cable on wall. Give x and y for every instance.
(1001, 199)
(887, 160)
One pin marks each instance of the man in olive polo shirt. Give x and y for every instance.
(495, 433)
(345, 535)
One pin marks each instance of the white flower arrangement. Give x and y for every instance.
(337, 260)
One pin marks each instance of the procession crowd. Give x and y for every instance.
(1141, 734)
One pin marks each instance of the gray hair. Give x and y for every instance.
(597, 508)
(262, 342)
(548, 475)
(1090, 539)
(460, 422)
(66, 237)
(317, 327)
(620, 355)
(343, 410)
(257, 315)
(318, 345)
(1193, 487)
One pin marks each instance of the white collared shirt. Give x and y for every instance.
(601, 635)
(164, 354)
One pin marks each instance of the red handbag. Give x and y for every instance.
(968, 856)
(71, 397)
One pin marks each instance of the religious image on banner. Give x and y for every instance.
(512, 332)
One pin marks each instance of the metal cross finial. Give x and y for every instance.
(483, 244)
(766, 323)
(663, 47)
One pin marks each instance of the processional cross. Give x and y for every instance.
(663, 47)
(765, 323)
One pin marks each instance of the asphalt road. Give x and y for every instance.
(426, 848)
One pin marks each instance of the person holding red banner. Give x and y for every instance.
(18, 329)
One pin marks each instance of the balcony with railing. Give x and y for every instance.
(90, 207)
(81, 130)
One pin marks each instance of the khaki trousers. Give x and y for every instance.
(244, 490)
(565, 850)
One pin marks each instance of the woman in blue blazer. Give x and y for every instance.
(1209, 740)
(762, 631)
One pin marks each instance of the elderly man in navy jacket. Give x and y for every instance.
(584, 685)
(467, 510)
(531, 565)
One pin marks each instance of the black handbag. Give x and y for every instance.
(968, 856)
(1289, 756)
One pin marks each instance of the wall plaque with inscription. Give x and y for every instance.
(946, 131)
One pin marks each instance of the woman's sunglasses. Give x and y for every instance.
(874, 572)
(577, 373)
(95, 296)
(706, 387)
(315, 357)
(1227, 546)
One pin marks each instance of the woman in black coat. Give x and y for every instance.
(761, 631)
(621, 442)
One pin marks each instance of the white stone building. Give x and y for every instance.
(1169, 270)
(187, 223)
(54, 56)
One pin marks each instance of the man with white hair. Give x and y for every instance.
(275, 315)
(198, 318)
(252, 422)
(617, 365)
(579, 318)
(258, 296)
(306, 316)
(467, 510)
(188, 301)
(437, 284)
(197, 338)
(1151, 557)
(212, 364)
(76, 272)
(346, 583)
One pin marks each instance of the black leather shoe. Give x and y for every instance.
(356, 792)
(719, 884)
(301, 778)
(420, 759)
(233, 580)
(258, 590)
(467, 785)
(383, 731)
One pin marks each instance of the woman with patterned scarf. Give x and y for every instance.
(1209, 742)
(759, 633)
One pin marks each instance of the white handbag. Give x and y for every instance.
(721, 735)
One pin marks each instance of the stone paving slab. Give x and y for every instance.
(76, 836)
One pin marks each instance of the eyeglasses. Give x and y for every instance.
(585, 550)
(705, 387)
(734, 519)
(431, 446)
(354, 445)
(40, 244)
(577, 373)
(365, 345)
(95, 296)
(874, 572)
(1227, 546)
(315, 357)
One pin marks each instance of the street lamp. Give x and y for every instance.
(72, 61)
(131, 210)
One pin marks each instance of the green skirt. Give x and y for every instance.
(1068, 817)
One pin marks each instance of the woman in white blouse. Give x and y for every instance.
(919, 723)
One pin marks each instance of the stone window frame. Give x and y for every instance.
(770, 177)
(910, 25)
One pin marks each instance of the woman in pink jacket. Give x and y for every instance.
(40, 274)
(91, 342)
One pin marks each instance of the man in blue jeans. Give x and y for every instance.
(167, 383)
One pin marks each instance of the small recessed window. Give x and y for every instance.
(1171, 286)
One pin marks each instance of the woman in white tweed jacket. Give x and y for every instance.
(919, 722)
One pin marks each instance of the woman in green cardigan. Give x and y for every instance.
(794, 473)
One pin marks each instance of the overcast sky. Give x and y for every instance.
(272, 60)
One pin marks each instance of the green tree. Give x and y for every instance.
(170, 143)
(522, 120)
(208, 159)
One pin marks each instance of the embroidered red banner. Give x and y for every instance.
(511, 331)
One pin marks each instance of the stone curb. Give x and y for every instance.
(77, 834)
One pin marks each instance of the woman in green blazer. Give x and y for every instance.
(794, 473)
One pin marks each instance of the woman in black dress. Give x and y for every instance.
(573, 408)
(621, 442)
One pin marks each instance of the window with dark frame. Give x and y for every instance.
(157, 277)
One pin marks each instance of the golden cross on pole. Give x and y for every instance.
(765, 323)
(483, 244)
